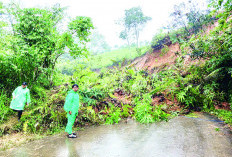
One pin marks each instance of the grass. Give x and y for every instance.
(103, 60)
(225, 115)
(192, 115)
(109, 58)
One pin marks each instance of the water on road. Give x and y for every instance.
(204, 136)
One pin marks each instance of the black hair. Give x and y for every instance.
(75, 85)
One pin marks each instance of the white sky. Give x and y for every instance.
(104, 13)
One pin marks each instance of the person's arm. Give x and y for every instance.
(28, 97)
(67, 103)
(15, 92)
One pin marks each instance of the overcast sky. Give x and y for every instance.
(104, 13)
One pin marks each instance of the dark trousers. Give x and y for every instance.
(20, 112)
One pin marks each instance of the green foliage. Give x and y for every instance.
(5, 110)
(39, 92)
(88, 115)
(80, 27)
(218, 42)
(35, 44)
(210, 81)
(189, 17)
(46, 116)
(159, 114)
(224, 115)
(30, 54)
(190, 96)
(218, 68)
(210, 95)
(125, 35)
(164, 81)
(103, 60)
(226, 5)
(90, 97)
(60, 78)
(139, 51)
(174, 36)
(145, 113)
(114, 114)
(137, 85)
(126, 111)
(164, 50)
(134, 20)
(158, 39)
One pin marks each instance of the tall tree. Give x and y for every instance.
(133, 21)
(189, 16)
(37, 43)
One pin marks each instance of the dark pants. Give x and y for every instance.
(20, 112)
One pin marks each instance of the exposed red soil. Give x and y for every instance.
(151, 61)
(125, 99)
(210, 27)
(170, 105)
(154, 59)
(223, 105)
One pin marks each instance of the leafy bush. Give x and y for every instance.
(145, 113)
(189, 96)
(224, 115)
(34, 46)
(136, 83)
(5, 110)
(126, 111)
(164, 50)
(114, 114)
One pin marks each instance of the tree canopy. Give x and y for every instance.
(35, 43)
(133, 22)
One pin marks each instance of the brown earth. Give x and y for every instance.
(156, 59)
(169, 104)
(223, 105)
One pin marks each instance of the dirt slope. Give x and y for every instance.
(155, 59)
(152, 61)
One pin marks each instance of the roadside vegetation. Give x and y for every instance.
(114, 94)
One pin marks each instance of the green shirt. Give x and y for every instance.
(72, 102)
(22, 96)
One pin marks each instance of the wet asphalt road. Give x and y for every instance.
(179, 137)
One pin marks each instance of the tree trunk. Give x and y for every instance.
(137, 36)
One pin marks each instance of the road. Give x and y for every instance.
(204, 136)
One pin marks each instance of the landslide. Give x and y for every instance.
(158, 59)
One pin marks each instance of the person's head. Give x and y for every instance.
(24, 84)
(75, 87)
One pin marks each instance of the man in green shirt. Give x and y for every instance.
(71, 106)
(21, 96)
